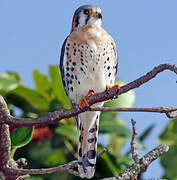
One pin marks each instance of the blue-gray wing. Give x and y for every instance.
(62, 67)
(63, 76)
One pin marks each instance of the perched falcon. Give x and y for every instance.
(88, 62)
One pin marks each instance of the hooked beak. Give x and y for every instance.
(97, 15)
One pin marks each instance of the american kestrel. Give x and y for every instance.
(88, 63)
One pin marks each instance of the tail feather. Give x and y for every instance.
(88, 133)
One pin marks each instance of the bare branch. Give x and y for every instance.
(165, 110)
(171, 115)
(54, 117)
(5, 143)
(142, 165)
(66, 167)
(69, 167)
(101, 152)
(134, 149)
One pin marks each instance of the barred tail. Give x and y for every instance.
(87, 147)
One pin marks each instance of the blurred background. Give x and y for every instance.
(32, 33)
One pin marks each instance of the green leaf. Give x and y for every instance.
(105, 167)
(41, 154)
(20, 102)
(11, 75)
(55, 158)
(57, 86)
(42, 84)
(124, 100)
(146, 133)
(110, 124)
(69, 131)
(21, 136)
(57, 141)
(7, 84)
(54, 105)
(110, 165)
(169, 159)
(124, 162)
(33, 97)
(116, 143)
(169, 135)
(169, 162)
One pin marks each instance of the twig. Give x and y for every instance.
(22, 177)
(166, 110)
(54, 117)
(66, 167)
(171, 115)
(101, 152)
(134, 149)
(69, 167)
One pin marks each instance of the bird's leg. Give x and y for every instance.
(84, 99)
(116, 87)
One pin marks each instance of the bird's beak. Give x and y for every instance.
(97, 15)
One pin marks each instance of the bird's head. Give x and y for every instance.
(87, 15)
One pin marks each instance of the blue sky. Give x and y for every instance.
(145, 32)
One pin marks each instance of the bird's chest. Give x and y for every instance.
(89, 64)
(91, 59)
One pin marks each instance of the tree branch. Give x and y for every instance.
(134, 149)
(54, 117)
(5, 142)
(142, 165)
(68, 167)
(166, 110)
(61, 168)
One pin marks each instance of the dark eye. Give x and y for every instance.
(86, 11)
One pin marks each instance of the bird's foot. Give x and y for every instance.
(115, 87)
(85, 100)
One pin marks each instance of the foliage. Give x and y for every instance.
(169, 160)
(57, 144)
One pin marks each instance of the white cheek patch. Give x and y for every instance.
(81, 20)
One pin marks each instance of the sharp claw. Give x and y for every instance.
(85, 100)
(91, 92)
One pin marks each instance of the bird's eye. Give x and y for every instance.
(86, 11)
